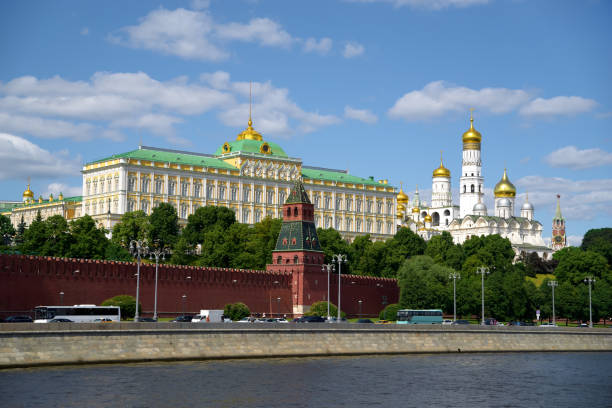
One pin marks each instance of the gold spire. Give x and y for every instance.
(471, 138)
(441, 171)
(249, 133)
(28, 193)
(504, 188)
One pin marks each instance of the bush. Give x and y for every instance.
(126, 303)
(390, 312)
(320, 309)
(236, 311)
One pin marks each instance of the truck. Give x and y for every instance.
(209, 316)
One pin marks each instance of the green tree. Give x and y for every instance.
(132, 226)
(182, 253)
(389, 312)
(21, 229)
(263, 240)
(320, 309)
(366, 257)
(600, 241)
(58, 236)
(204, 219)
(164, 228)
(115, 252)
(236, 311)
(576, 264)
(7, 231)
(126, 303)
(443, 251)
(402, 246)
(332, 244)
(88, 241)
(423, 284)
(35, 236)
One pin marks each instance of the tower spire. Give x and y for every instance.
(558, 211)
(471, 118)
(250, 103)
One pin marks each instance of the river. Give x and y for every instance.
(418, 380)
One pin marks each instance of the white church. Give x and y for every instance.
(471, 217)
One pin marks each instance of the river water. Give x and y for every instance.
(419, 380)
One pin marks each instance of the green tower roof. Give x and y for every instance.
(298, 194)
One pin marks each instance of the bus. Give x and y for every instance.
(77, 313)
(425, 316)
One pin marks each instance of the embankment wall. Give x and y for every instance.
(28, 345)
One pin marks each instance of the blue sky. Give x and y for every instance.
(377, 87)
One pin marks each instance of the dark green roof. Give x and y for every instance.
(8, 206)
(252, 146)
(170, 156)
(338, 176)
(298, 194)
(298, 236)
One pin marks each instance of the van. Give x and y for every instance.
(208, 316)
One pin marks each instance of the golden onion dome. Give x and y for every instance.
(249, 133)
(441, 171)
(504, 188)
(472, 136)
(428, 218)
(402, 198)
(415, 210)
(28, 193)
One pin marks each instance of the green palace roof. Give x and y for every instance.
(251, 146)
(75, 199)
(170, 156)
(337, 175)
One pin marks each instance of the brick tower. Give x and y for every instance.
(298, 251)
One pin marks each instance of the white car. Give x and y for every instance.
(548, 325)
(245, 320)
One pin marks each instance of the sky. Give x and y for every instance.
(375, 87)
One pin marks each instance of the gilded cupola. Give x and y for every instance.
(471, 138)
(402, 198)
(249, 133)
(504, 188)
(441, 171)
(28, 194)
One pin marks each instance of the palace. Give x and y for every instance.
(470, 217)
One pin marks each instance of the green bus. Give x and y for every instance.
(425, 316)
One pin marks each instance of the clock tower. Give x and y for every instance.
(558, 228)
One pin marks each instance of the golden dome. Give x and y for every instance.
(28, 193)
(249, 133)
(401, 207)
(441, 171)
(402, 198)
(471, 138)
(428, 218)
(415, 210)
(61, 196)
(504, 188)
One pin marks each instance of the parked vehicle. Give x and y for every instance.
(548, 325)
(447, 321)
(364, 321)
(311, 319)
(182, 319)
(490, 322)
(18, 319)
(334, 319)
(209, 316)
(424, 316)
(147, 320)
(105, 320)
(246, 320)
(461, 322)
(77, 313)
(61, 320)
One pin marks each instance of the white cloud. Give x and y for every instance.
(261, 30)
(353, 49)
(46, 128)
(559, 105)
(19, 157)
(575, 240)
(65, 189)
(322, 46)
(571, 157)
(362, 115)
(200, 4)
(84, 31)
(580, 199)
(426, 4)
(438, 98)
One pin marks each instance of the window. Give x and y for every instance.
(258, 196)
(171, 187)
(358, 203)
(210, 191)
(358, 224)
(327, 222)
(257, 216)
(446, 213)
(270, 197)
(349, 224)
(338, 203)
(338, 223)
(279, 261)
(295, 211)
(131, 204)
(144, 206)
(389, 208)
(464, 188)
(389, 231)
(295, 259)
(131, 184)
(379, 206)
(327, 202)
(144, 185)
(316, 201)
(348, 204)
(87, 187)
(246, 193)
(472, 188)
(183, 210)
(283, 196)
(95, 187)
(368, 226)
(379, 225)
(159, 185)
(245, 216)
(196, 190)
(234, 193)
(369, 205)
(479, 188)
(221, 192)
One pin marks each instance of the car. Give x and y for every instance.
(517, 323)
(548, 325)
(364, 321)
(383, 322)
(182, 319)
(103, 320)
(280, 320)
(334, 319)
(461, 322)
(582, 325)
(61, 320)
(490, 322)
(147, 320)
(447, 321)
(311, 319)
(18, 319)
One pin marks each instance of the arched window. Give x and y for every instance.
(446, 213)
(480, 188)
(295, 211)
(472, 188)
(288, 212)
(435, 218)
(464, 188)
(279, 260)
(295, 259)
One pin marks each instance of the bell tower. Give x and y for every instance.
(298, 251)
(558, 228)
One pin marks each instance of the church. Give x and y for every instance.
(471, 217)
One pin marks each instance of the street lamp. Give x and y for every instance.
(454, 276)
(157, 253)
(552, 284)
(184, 301)
(329, 268)
(139, 249)
(482, 271)
(360, 302)
(278, 305)
(61, 298)
(339, 258)
(590, 280)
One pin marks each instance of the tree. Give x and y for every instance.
(576, 264)
(58, 236)
(21, 229)
(204, 219)
(35, 236)
(320, 309)
(423, 284)
(443, 251)
(132, 226)
(236, 311)
(332, 244)
(126, 303)
(403, 245)
(7, 231)
(88, 241)
(263, 240)
(390, 312)
(164, 226)
(600, 241)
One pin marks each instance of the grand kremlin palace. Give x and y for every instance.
(251, 176)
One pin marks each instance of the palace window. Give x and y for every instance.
(379, 206)
(258, 196)
(316, 201)
(209, 191)
(389, 231)
(349, 224)
(358, 225)
(159, 185)
(257, 216)
(95, 187)
(131, 204)
(472, 188)
(338, 203)
(171, 187)
(145, 185)
(358, 205)
(196, 190)
(234, 193)
(109, 184)
(368, 226)
(184, 188)
(369, 206)
(327, 202)
(183, 210)
(144, 206)
(379, 225)
(245, 216)
(389, 208)
(338, 223)
(327, 222)
(270, 197)
(221, 192)
(349, 204)
(283, 196)
(246, 194)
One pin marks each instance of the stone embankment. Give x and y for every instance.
(25, 345)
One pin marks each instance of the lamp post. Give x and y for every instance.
(139, 249)
(482, 271)
(552, 284)
(590, 280)
(339, 258)
(157, 252)
(454, 276)
(360, 302)
(278, 299)
(61, 298)
(329, 268)
(184, 301)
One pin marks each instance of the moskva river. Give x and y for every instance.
(425, 380)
